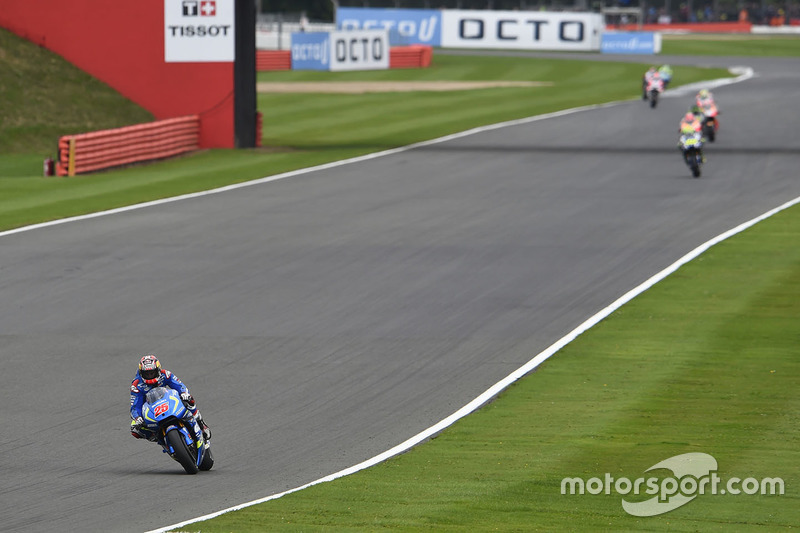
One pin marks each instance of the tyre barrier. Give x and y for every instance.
(98, 150)
(415, 56)
(273, 60)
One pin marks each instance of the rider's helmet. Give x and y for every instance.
(696, 110)
(688, 117)
(150, 369)
(703, 93)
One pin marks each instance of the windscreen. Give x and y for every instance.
(156, 394)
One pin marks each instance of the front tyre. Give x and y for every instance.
(182, 453)
(653, 98)
(208, 460)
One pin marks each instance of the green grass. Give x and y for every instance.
(302, 130)
(42, 97)
(732, 45)
(705, 361)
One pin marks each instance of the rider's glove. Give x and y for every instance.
(187, 399)
(136, 426)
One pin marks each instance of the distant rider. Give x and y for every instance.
(704, 99)
(150, 376)
(651, 72)
(666, 74)
(692, 125)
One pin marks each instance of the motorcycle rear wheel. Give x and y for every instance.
(182, 453)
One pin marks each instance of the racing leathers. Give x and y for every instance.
(139, 390)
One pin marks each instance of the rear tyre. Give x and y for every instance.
(182, 453)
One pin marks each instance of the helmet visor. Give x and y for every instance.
(149, 374)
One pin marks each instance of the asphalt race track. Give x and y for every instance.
(322, 319)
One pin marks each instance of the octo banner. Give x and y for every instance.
(522, 30)
(341, 50)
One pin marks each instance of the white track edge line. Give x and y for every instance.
(501, 385)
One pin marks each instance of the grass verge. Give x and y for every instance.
(705, 361)
(43, 97)
(301, 130)
(731, 45)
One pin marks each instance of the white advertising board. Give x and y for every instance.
(359, 50)
(199, 31)
(522, 30)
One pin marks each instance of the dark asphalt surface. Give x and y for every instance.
(322, 319)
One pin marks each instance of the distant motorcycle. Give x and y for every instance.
(655, 86)
(176, 430)
(710, 122)
(691, 145)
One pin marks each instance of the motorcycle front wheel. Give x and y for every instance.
(208, 460)
(182, 453)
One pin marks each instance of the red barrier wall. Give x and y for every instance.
(273, 60)
(415, 56)
(122, 44)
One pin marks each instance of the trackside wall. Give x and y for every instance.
(122, 44)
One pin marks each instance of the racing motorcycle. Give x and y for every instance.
(655, 86)
(710, 122)
(691, 145)
(176, 430)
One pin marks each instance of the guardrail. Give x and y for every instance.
(98, 150)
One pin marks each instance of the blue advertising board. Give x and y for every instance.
(630, 43)
(311, 51)
(406, 26)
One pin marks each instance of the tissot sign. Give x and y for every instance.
(199, 31)
(455, 28)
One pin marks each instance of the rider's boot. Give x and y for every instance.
(204, 427)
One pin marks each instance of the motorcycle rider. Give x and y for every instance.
(705, 99)
(690, 125)
(691, 122)
(149, 376)
(652, 71)
(666, 74)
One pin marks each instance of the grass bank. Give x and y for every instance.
(731, 45)
(706, 361)
(302, 130)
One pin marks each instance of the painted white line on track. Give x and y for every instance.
(498, 387)
(744, 74)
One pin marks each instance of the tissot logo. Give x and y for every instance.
(203, 8)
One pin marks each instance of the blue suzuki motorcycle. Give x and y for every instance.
(176, 430)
